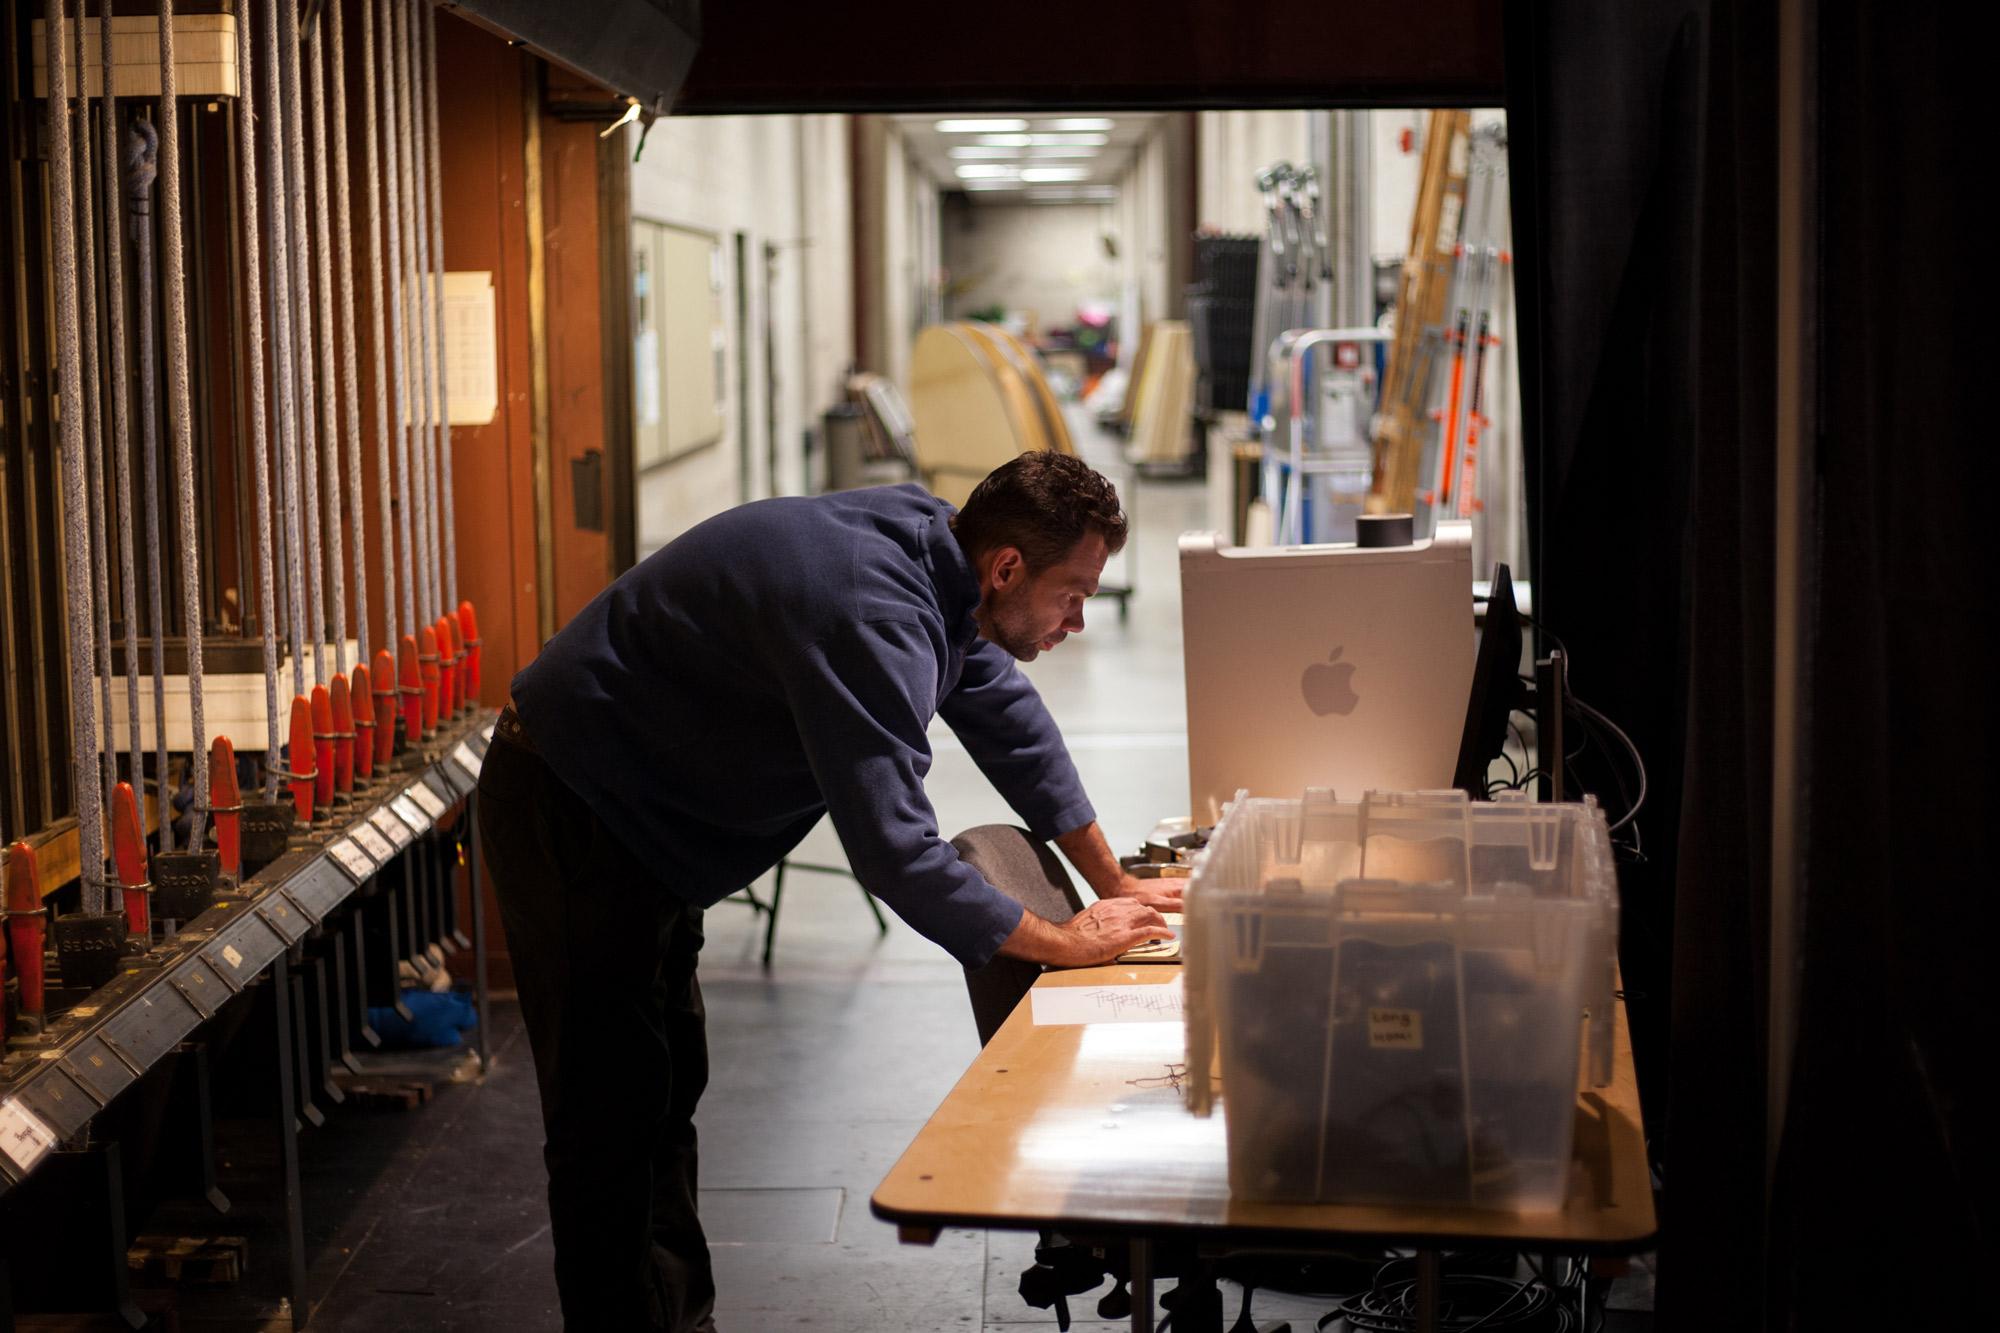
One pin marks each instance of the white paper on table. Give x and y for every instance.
(1056, 1006)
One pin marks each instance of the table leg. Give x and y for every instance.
(1430, 1285)
(1142, 1285)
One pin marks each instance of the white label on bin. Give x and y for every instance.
(231, 956)
(23, 1136)
(373, 842)
(407, 811)
(1396, 1029)
(431, 803)
(392, 827)
(352, 858)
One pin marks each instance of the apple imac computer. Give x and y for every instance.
(1325, 666)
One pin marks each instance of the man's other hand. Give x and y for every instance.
(1109, 927)
(1162, 895)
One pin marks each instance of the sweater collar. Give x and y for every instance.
(951, 574)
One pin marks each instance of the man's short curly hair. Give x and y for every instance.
(1041, 503)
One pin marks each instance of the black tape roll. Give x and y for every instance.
(1378, 530)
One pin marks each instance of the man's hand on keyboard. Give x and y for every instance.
(1162, 895)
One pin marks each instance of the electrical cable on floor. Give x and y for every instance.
(1466, 1301)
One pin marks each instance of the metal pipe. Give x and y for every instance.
(180, 414)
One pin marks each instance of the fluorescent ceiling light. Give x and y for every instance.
(1087, 194)
(980, 126)
(992, 185)
(1045, 140)
(979, 171)
(974, 153)
(1077, 123)
(1054, 173)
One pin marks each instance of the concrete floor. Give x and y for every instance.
(823, 1070)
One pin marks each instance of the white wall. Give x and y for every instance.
(1040, 261)
(776, 181)
(1232, 147)
(1145, 266)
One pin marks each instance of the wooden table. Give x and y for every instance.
(1075, 1128)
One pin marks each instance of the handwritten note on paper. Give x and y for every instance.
(1057, 1006)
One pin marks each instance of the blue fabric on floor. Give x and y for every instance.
(436, 1019)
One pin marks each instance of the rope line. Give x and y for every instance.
(372, 176)
(343, 220)
(398, 329)
(448, 521)
(142, 153)
(121, 416)
(181, 409)
(427, 279)
(94, 439)
(260, 460)
(76, 557)
(336, 557)
(282, 352)
(416, 331)
(303, 247)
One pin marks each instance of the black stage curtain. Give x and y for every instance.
(1644, 141)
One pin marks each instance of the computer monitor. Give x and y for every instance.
(1324, 666)
(1497, 688)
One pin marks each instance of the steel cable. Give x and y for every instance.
(427, 287)
(260, 461)
(180, 418)
(76, 556)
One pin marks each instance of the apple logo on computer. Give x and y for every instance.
(1328, 686)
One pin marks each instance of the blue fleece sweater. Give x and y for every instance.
(783, 660)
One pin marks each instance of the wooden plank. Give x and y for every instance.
(59, 847)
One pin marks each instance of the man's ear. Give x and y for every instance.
(1008, 567)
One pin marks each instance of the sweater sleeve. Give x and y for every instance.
(1007, 729)
(861, 700)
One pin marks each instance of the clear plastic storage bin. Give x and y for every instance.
(1401, 990)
